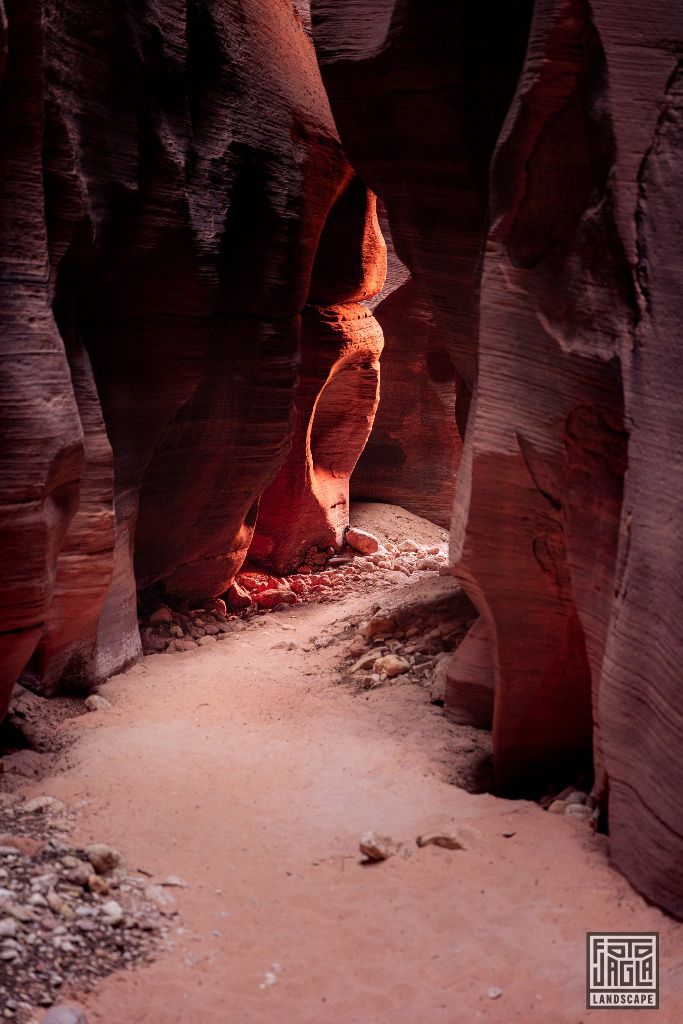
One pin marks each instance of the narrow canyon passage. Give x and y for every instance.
(250, 768)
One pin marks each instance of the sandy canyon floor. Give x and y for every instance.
(251, 770)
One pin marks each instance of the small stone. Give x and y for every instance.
(8, 954)
(361, 541)
(184, 645)
(162, 614)
(391, 666)
(578, 811)
(408, 545)
(238, 598)
(103, 858)
(447, 839)
(494, 992)
(97, 885)
(113, 912)
(65, 1014)
(366, 661)
(376, 847)
(96, 703)
(174, 882)
(8, 928)
(204, 640)
(557, 807)
(43, 804)
(576, 797)
(380, 625)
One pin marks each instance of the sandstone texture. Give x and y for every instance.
(174, 203)
(530, 167)
(413, 453)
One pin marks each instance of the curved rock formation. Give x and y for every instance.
(336, 398)
(575, 256)
(413, 453)
(168, 174)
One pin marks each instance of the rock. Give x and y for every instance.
(98, 885)
(557, 807)
(79, 874)
(238, 598)
(361, 541)
(43, 805)
(494, 992)
(112, 912)
(366, 661)
(358, 645)
(577, 811)
(96, 703)
(65, 1013)
(162, 614)
(576, 797)
(380, 625)
(103, 858)
(8, 928)
(272, 598)
(174, 882)
(448, 839)
(184, 645)
(391, 666)
(408, 545)
(204, 640)
(376, 847)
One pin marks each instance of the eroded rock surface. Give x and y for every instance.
(168, 175)
(555, 287)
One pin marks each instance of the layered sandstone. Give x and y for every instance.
(413, 453)
(167, 176)
(574, 253)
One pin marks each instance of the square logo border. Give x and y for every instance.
(588, 966)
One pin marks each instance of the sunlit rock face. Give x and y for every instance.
(566, 530)
(338, 389)
(412, 456)
(167, 174)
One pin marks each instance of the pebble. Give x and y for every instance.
(366, 661)
(43, 804)
(103, 858)
(380, 625)
(65, 1014)
(578, 811)
(162, 614)
(408, 545)
(494, 992)
(113, 911)
(203, 640)
(391, 666)
(96, 703)
(448, 839)
(361, 541)
(376, 847)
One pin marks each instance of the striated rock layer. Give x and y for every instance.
(168, 173)
(573, 255)
(413, 453)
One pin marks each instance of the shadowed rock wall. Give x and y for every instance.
(543, 226)
(167, 173)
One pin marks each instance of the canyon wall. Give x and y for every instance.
(412, 456)
(168, 173)
(530, 168)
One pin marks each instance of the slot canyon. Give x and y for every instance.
(341, 442)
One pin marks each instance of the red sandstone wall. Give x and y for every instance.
(574, 253)
(168, 171)
(412, 456)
